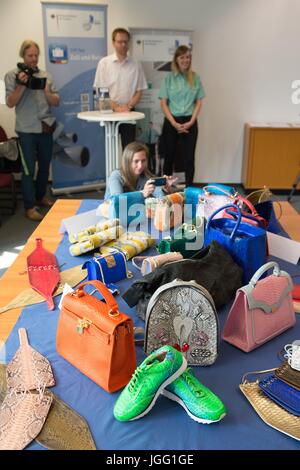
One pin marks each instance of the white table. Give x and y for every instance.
(111, 122)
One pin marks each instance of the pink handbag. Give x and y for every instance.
(262, 309)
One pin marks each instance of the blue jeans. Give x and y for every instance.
(35, 147)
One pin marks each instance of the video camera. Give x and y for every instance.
(34, 83)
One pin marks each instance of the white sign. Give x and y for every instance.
(283, 248)
(75, 23)
(160, 48)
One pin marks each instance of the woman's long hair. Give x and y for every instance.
(129, 178)
(190, 75)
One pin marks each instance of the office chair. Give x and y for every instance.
(7, 182)
(294, 187)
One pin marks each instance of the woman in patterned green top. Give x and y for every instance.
(181, 95)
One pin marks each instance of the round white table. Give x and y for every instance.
(111, 122)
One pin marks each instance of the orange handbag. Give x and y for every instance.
(96, 338)
(169, 211)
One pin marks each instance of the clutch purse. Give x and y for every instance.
(271, 413)
(282, 394)
(262, 310)
(288, 375)
(108, 269)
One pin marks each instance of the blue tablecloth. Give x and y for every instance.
(167, 426)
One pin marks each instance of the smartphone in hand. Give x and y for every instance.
(160, 181)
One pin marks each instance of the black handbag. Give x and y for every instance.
(212, 267)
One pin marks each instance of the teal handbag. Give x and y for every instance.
(188, 239)
(128, 207)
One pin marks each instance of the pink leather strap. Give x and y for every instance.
(247, 203)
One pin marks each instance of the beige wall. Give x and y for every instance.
(246, 51)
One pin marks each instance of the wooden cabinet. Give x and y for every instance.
(271, 155)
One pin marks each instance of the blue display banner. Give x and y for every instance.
(75, 38)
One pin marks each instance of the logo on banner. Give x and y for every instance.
(58, 53)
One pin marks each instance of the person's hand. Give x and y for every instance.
(121, 108)
(47, 90)
(171, 180)
(187, 125)
(23, 77)
(149, 188)
(180, 128)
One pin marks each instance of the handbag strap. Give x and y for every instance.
(261, 193)
(221, 209)
(207, 190)
(247, 216)
(108, 297)
(263, 269)
(137, 261)
(247, 203)
(265, 195)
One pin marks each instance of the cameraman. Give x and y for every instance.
(32, 95)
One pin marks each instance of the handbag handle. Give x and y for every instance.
(263, 269)
(246, 216)
(137, 261)
(264, 192)
(247, 203)
(206, 190)
(239, 216)
(108, 297)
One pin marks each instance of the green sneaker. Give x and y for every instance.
(156, 372)
(200, 403)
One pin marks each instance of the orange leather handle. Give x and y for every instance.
(108, 297)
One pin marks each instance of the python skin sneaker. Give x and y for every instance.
(200, 403)
(158, 370)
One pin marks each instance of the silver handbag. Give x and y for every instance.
(183, 315)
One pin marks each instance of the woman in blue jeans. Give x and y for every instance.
(181, 95)
(34, 125)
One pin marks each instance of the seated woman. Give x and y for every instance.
(135, 176)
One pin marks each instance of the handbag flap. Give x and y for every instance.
(281, 393)
(268, 293)
(90, 308)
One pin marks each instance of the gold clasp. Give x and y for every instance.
(82, 324)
